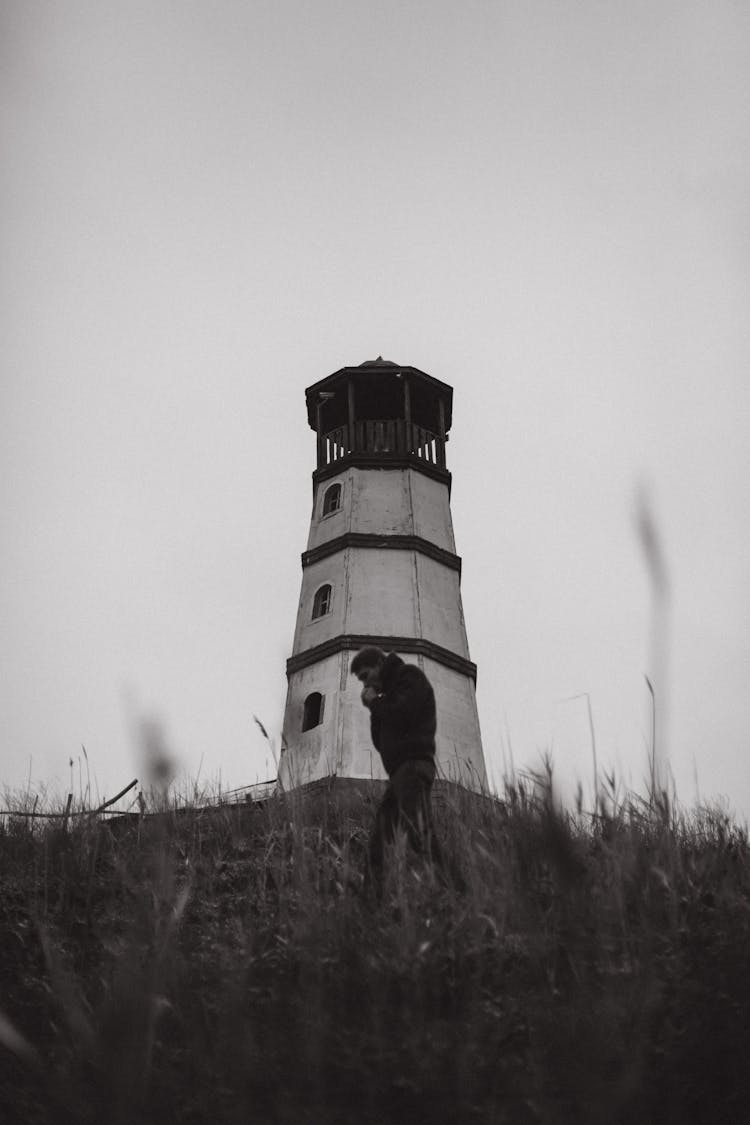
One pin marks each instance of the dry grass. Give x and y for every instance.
(225, 965)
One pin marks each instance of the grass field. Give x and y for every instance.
(225, 965)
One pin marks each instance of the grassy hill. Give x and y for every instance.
(225, 965)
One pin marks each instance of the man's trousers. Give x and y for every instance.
(405, 807)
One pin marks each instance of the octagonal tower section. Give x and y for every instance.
(381, 569)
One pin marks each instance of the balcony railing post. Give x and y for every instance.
(322, 460)
(350, 405)
(389, 436)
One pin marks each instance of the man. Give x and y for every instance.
(401, 703)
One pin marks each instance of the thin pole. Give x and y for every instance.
(319, 428)
(352, 419)
(441, 433)
(407, 414)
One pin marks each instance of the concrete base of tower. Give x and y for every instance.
(339, 743)
(324, 801)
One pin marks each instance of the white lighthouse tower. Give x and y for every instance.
(380, 569)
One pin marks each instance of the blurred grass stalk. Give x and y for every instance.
(221, 963)
(659, 637)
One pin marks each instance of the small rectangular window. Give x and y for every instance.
(312, 713)
(322, 601)
(332, 500)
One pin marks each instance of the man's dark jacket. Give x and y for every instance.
(402, 718)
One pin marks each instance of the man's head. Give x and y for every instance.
(368, 665)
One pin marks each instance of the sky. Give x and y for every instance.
(206, 207)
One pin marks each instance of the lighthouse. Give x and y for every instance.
(380, 569)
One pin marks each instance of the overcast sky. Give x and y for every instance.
(206, 207)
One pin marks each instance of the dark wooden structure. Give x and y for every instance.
(380, 412)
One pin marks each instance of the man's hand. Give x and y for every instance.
(369, 694)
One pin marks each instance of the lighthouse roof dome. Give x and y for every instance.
(379, 362)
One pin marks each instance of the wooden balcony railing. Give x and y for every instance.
(390, 437)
